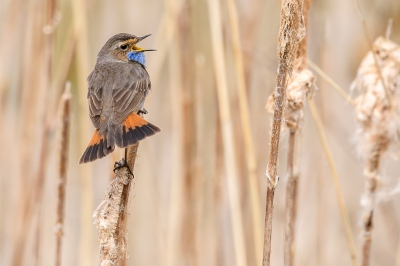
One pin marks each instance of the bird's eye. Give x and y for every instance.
(123, 46)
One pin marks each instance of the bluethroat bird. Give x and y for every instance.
(118, 87)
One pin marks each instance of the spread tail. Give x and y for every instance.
(96, 149)
(134, 129)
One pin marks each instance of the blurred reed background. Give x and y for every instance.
(194, 201)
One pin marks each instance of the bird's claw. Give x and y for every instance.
(142, 111)
(122, 163)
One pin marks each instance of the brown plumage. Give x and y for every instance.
(117, 90)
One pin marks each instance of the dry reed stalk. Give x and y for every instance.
(191, 184)
(131, 155)
(63, 154)
(48, 126)
(398, 253)
(165, 34)
(64, 64)
(85, 173)
(110, 217)
(183, 224)
(336, 182)
(30, 84)
(200, 99)
(246, 127)
(227, 132)
(204, 129)
(378, 116)
(36, 87)
(218, 193)
(8, 29)
(330, 81)
(300, 87)
(205, 170)
(389, 28)
(50, 11)
(175, 211)
(290, 204)
(290, 34)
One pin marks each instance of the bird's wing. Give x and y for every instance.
(129, 84)
(96, 81)
(130, 88)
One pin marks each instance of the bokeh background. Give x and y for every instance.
(180, 211)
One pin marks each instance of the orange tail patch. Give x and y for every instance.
(134, 129)
(96, 149)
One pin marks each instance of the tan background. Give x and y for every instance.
(179, 212)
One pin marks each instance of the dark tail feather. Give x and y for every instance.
(134, 129)
(96, 149)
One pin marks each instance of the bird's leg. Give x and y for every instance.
(122, 163)
(142, 111)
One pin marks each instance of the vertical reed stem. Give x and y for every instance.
(246, 127)
(336, 182)
(85, 246)
(176, 202)
(291, 186)
(131, 154)
(291, 192)
(398, 252)
(371, 179)
(227, 132)
(110, 217)
(48, 68)
(287, 45)
(63, 145)
(268, 225)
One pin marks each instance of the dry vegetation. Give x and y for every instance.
(200, 186)
(377, 111)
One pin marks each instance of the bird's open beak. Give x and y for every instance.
(139, 49)
(143, 37)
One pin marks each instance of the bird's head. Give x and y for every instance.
(124, 47)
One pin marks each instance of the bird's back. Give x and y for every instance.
(116, 89)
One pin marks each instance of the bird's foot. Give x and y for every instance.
(122, 163)
(142, 111)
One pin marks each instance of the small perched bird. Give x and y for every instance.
(118, 87)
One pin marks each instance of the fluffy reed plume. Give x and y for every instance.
(63, 144)
(378, 81)
(110, 217)
(291, 32)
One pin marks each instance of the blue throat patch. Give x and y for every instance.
(137, 57)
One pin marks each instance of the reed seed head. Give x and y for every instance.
(377, 106)
(301, 86)
(377, 113)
